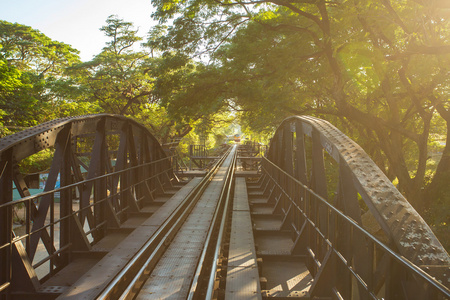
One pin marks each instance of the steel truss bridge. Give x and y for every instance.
(317, 220)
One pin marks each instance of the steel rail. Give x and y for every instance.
(212, 243)
(128, 282)
(222, 230)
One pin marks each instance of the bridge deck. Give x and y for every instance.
(172, 276)
(88, 286)
(259, 262)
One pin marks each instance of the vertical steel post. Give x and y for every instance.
(133, 175)
(139, 173)
(121, 164)
(354, 247)
(319, 181)
(300, 162)
(153, 170)
(289, 130)
(147, 170)
(100, 151)
(65, 201)
(6, 184)
(300, 155)
(62, 141)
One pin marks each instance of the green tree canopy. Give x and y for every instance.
(118, 78)
(33, 80)
(376, 68)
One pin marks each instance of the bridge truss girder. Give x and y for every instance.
(105, 192)
(298, 162)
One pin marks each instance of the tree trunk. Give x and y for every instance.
(440, 185)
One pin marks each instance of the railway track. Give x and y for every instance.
(180, 259)
(179, 251)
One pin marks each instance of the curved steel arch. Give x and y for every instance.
(123, 165)
(44, 135)
(358, 174)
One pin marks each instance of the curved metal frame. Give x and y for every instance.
(106, 192)
(358, 176)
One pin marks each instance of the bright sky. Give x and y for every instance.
(77, 22)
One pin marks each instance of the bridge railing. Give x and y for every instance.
(336, 172)
(344, 259)
(250, 154)
(126, 167)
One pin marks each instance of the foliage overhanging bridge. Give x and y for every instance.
(317, 219)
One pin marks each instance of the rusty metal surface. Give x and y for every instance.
(41, 134)
(286, 278)
(272, 222)
(403, 225)
(274, 243)
(69, 275)
(89, 285)
(240, 202)
(106, 193)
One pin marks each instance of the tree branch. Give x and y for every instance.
(300, 12)
(393, 13)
